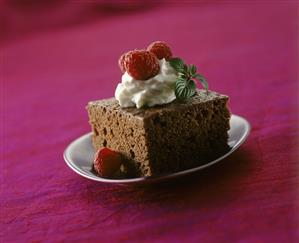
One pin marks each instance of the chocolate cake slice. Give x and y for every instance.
(162, 139)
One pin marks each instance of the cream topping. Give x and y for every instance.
(157, 90)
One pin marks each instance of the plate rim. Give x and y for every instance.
(72, 165)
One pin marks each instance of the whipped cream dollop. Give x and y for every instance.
(157, 90)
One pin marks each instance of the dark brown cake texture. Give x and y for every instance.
(162, 139)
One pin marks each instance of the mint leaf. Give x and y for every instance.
(185, 86)
(192, 69)
(183, 76)
(178, 64)
(184, 89)
(203, 81)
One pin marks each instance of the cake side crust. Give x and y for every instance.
(121, 132)
(187, 137)
(166, 138)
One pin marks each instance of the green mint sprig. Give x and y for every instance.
(185, 86)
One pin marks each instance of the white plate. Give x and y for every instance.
(79, 155)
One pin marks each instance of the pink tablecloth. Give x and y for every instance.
(56, 56)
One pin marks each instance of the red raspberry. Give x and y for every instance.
(160, 49)
(121, 63)
(141, 64)
(107, 162)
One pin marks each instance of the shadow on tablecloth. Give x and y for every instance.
(211, 185)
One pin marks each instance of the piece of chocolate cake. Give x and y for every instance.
(162, 139)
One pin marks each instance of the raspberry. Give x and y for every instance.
(121, 63)
(107, 162)
(141, 64)
(160, 49)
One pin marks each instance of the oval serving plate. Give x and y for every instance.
(80, 154)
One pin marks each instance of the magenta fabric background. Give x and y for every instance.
(58, 55)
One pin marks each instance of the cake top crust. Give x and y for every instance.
(200, 97)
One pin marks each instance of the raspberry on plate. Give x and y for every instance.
(160, 49)
(107, 162)
(141, 64)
